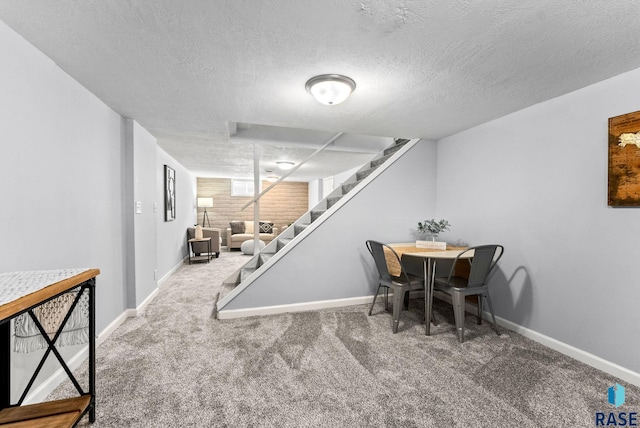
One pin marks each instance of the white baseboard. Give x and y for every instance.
(296, 307)
(43, 390)
(171, 271)
(571, 351)
(565, 349)
(40, 393)
(142, 306)
(104, 334)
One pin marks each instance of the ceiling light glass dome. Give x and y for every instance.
(330, 89)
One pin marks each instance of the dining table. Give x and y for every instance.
(429, 257)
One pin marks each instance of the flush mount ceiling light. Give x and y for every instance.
(271, 178)
(330, 89)
(285, 165)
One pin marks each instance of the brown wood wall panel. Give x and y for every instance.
(282, 205)
(624, 160)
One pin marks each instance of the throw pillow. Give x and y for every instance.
(266, 227)
(237, 227)
(248, 227)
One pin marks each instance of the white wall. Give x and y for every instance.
(536, 181)
(172, 234)
(73, 169)
(340, 178)
(144, 196)
(61, 161)
(386, 210)
(315, 189)
(318, 189)
(159, 246)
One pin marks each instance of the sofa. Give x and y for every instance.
(241, 231)
(202, 247)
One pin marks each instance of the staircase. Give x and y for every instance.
(260, 261)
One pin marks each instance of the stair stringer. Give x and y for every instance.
(321, 205)
(328, 262)
(236, 279)
(271, 247)
(241, 279)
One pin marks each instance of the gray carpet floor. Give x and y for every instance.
(176, 365)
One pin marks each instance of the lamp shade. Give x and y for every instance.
(205, 202)
(330, 89)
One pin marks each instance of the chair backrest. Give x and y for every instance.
(377, 250)
(485, 258)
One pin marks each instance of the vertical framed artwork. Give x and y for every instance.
(169, 193)
(624, 160)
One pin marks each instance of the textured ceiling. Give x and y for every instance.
(188, 71)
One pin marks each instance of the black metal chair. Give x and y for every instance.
(400, 284)
(485, 258)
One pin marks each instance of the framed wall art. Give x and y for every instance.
(624, 160)
(169, 193)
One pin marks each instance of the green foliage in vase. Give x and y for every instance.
(432, 226)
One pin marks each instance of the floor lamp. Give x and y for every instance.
(205, 203)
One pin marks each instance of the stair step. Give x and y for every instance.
(377, 162)
(346, 188)
(333, 200)
(264, 257)
(315, 214)
(395, 148)
(364, 174)
(298, 228)
(245, 272)
(282, 242)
